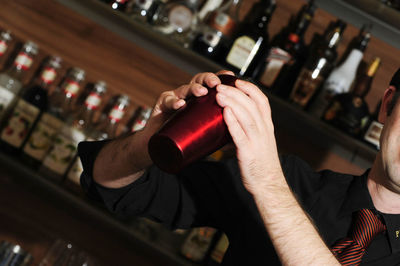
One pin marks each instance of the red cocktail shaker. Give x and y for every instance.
(197, 130)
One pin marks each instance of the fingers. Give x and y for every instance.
(235, 129)
(259, 98)
(209, 79)
(187, 90)
(242, 106)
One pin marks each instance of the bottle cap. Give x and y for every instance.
(54, 61)
(31, 47)
(6, 36)
(100, 86)
(77, 73)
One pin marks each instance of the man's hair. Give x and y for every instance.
(395, 82)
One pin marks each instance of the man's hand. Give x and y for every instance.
(248, 116)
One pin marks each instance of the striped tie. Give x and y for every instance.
(349, 251)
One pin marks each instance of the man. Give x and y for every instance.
(249, 197)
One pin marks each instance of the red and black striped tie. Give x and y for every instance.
(367, 225)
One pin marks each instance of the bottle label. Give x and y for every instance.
(48, 75)
(305, 87)
(139, 124)
(20, 123)
(71, 88)
(211, 37)
(42, 137)
(3, 47)
(180, 17)
(222, 22)
(23, 61)
(276, 59)
(63, 151)
(116, 114)
(321, 102)
(144, 4)
(240, 51)
(75, 172)
(93, 101)
(373, 133)
(6, 98)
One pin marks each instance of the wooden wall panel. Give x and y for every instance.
(126, 67)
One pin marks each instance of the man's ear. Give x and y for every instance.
(386, 104)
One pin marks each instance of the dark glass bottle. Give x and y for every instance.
(144, 10)
(318, 66)
(216, 34)
(287, 54)
(250, 44)
(11, 81)
(373, 129)
(29, 107)
(342, 77)
(77, 128)
(120, 5)
(53, 119)
(349, 111)
(5, 39)
(107, 128)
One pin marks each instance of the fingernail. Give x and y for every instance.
(203, 90)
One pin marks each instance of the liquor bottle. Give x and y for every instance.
(374, 128)
(317, 66)
(5, 39)
(178, 19)
(52, 120)
(29, 107)
(250, 45)
(141, 120)
(120, 5)
(208, 7)
(197, 243)
(287, 54)
(76, 129)
(215, 36)
(108, 127)
(342, 77)
(144, 10)
(349, 111)
(85, 121)
(11, 80)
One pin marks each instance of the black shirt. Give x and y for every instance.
(212, 194)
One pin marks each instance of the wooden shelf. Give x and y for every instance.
(88, 211)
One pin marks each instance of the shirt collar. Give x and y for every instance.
(358, 197)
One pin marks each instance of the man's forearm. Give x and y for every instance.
(121, 161)
(295, 238)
